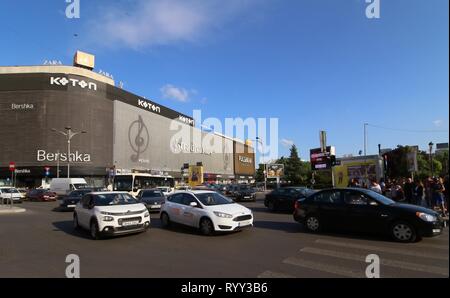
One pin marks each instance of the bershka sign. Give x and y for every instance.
(63, 81)
(149, 106)
(42, 155)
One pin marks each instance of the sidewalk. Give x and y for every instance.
(6, 209)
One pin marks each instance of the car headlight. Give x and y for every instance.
(426, 217)
(146, 214)
(223, 215)
(108, 218)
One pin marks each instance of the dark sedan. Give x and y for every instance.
(69, 201)
(41, 195)
(244, 193)
(284, 198)
(362, 210)
(151, 198)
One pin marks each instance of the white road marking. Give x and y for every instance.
(337, 270)
(372, 248)
(383, 261)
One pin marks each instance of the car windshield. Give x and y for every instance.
(151, 194)
(305, 191)
(213, 198)
(114, 199)
(10, 190)
(380, 198)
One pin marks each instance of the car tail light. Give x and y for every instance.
(297, 205)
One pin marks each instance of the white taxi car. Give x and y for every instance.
(207, 210)
(110, 213)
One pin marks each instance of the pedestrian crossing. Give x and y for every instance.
(342, 257)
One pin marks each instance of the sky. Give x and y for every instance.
(313, 64)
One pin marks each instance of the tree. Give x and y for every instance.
(296, 171)
(260, 173)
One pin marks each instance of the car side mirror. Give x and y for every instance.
(90, 206)
(135, 189)
(193, 204)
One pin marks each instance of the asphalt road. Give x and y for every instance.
(36, 243)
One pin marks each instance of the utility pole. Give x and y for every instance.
(258, 139)
(365, 138)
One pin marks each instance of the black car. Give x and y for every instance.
(68, 202)
(151, 198)
(363, 210)
(244, 193)
(284, 198)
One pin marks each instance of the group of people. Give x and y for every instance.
(432, 192)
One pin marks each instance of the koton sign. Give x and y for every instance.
(63, 81)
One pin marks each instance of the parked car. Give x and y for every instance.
(284, 198)
(71, 200)
(366, 211)
(110, 214)
(41, 195)
(8, 192)
(208, 211)
(23, 193)
(151, 198)
(244, 193)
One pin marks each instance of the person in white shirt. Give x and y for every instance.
(375, 186)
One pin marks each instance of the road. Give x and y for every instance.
(36, 243)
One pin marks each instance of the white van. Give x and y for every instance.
(62, 186)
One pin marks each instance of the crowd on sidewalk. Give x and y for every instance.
(432, 192)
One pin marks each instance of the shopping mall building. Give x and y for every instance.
(124, 131)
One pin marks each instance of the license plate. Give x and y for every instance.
(129, 223)
(155, 206)
(244, 223)
(247, 197)
(71, 206)
(436, 230)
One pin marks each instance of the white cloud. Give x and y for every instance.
(144, 23)
(287, 143)
(438, 123)
(176, 93)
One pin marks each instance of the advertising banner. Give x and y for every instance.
(275, 170)
(195, 175)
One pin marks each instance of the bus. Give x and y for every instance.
(133, 182)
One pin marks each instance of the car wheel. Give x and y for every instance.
(271, 206)
(76, 225)
(312, 223)
(165, 220)
(206, 227)
(403, 232)
(94, 230)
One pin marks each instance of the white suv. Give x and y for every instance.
(110, 213)
(8, 193)
(207, 210)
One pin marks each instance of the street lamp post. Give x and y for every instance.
(258, 139)
(430, 145)
(69, 134)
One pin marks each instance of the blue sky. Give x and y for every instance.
(316, 65)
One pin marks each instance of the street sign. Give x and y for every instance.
(12, 166)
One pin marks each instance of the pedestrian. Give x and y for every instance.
(383, 186)
(419, 193)
(374, 186)
(408, 189)
(438, 194)
(428, 192)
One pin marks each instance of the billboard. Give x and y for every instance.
(363, 171)
(322, 160)
(275, 170)
(244, 159)
(148, 141)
